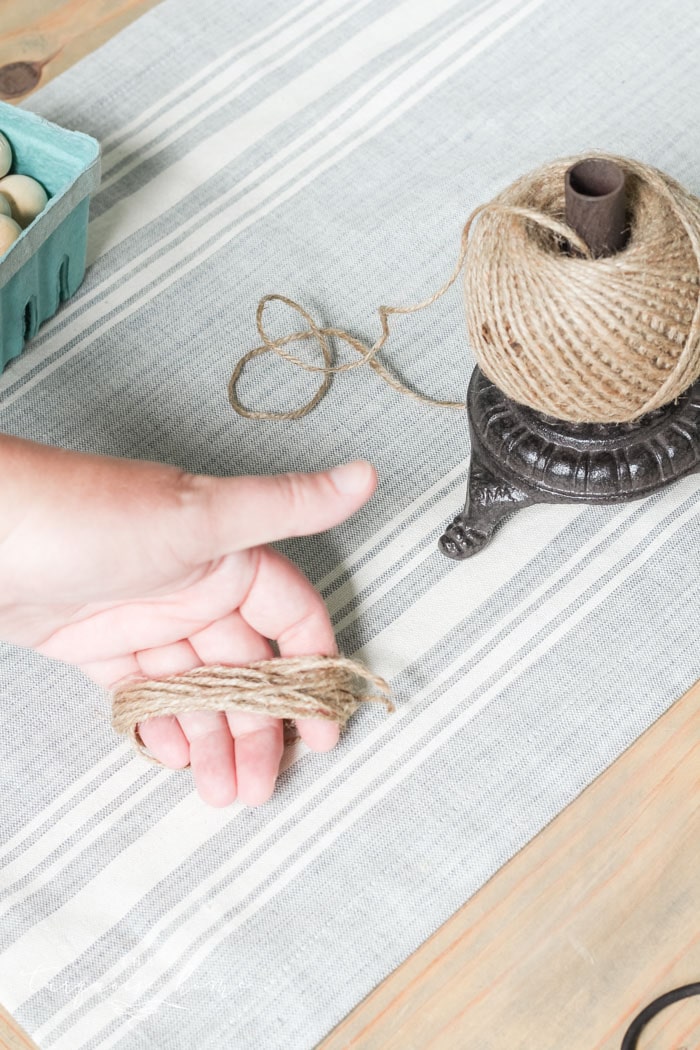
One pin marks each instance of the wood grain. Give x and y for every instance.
(12, 1037)
(40, 38)
(589, 923)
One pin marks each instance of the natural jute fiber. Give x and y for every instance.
(575, 337)
(288, 688)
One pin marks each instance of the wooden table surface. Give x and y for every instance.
(592, 920)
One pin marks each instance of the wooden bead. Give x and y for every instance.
(5, 156)
(27, 197)
(9, 232)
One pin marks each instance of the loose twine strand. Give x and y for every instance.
(575, 337)
(327, 687)
(368, 354)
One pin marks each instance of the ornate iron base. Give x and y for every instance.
(521, 457)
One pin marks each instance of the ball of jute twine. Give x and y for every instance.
(327, 687)
(575, 337)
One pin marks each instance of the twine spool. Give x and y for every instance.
(327, 687)
(581, 338)
(575, 337)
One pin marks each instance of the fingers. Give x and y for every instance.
(237, 752)
(236, 513)
(201, 737)
(318, 734)
(164, 660)
(230, 640)
(282, 604)
(258, 739)
(163, 735)
(156, 622)
(258, 745)
(164, 738)
(110, 671)
(212, 757)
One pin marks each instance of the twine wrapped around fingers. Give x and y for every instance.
(575, 337)
(288, 688)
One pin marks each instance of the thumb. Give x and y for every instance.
(236, 513)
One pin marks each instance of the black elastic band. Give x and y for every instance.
(641, 1020)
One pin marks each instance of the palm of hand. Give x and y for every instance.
(122, 582)
(208, 621)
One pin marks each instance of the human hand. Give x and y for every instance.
(129, 568)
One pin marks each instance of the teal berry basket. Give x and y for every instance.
(46, 264)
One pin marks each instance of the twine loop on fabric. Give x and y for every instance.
(368, 356)
(288, 688)
(575, 337)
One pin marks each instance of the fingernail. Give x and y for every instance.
(351, 478)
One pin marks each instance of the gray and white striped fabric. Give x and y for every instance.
(330, 151)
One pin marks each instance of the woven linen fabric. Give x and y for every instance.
(330, 151)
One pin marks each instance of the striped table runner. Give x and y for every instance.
(329, 151)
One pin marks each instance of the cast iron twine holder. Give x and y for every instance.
(521, 457)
